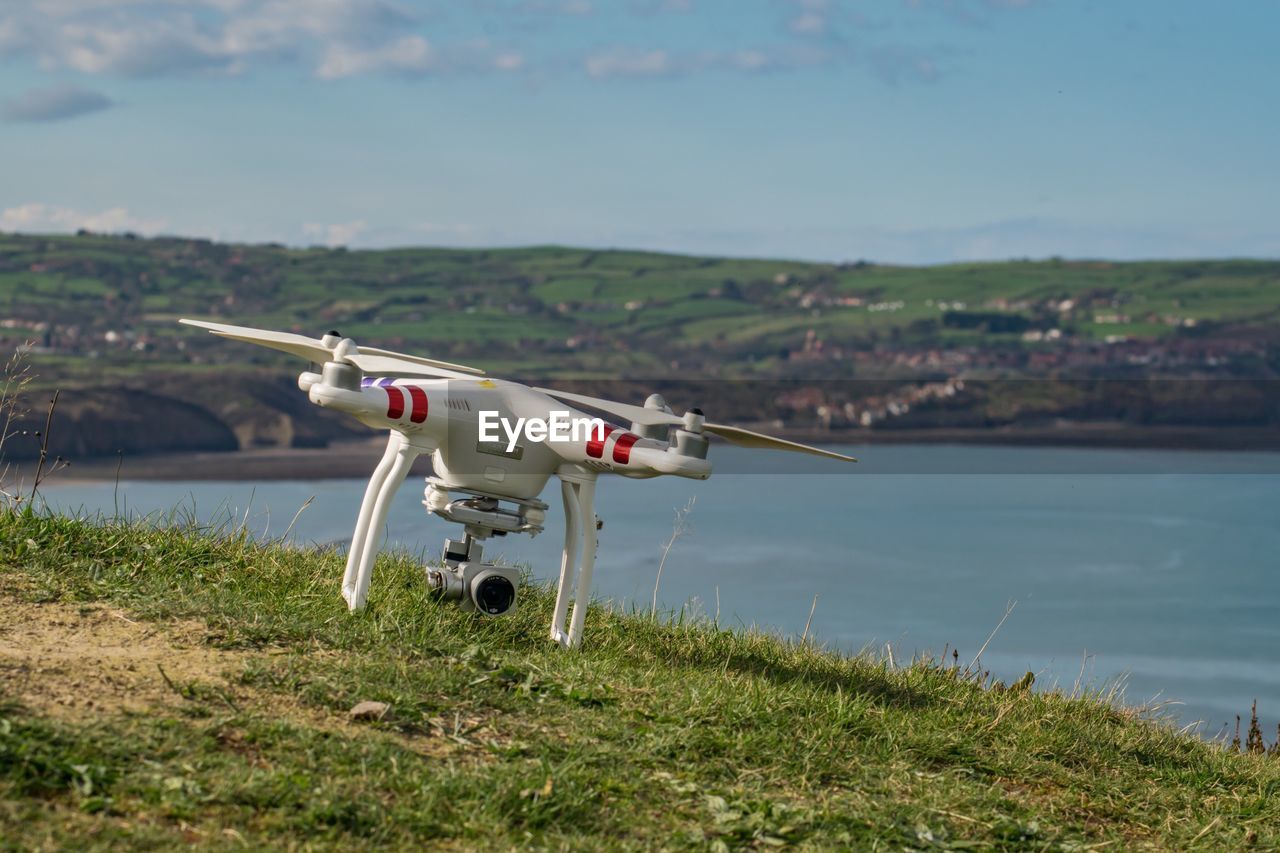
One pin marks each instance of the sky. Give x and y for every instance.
(904, 131)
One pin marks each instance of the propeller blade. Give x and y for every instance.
(303, 347)
(652, 417)
(368, 359)
(421, 360)
(626, 411)
(383, 365)
(747, 438)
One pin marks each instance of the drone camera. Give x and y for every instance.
(474, 585)
(489, 589)
(493, 590)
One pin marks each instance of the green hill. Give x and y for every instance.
(869, 345)
(172, 685)
(560, 311)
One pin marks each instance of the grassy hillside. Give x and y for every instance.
(169, 685)
(558, 311)
(878, 347)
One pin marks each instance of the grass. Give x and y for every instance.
(656, 733)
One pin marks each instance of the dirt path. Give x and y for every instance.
(73, 661)
(81, 663)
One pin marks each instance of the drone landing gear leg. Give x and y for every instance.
(366, 513)
(572, 530)
(579, 529)
(383, 485)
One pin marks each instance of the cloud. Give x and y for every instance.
(11, 35)
(811, 17)
(338, 234)
(661, 7)
(969, 11)
(362, 234)
(632, 62)
(410, 54)
(1025, 237)
(339, 39)
(145, 48)
(895, 64)
(44, 218)
(815, 38)
(510, 61)
(55, 103)
(808, 23)
(626, 62)
(1000, 240)
(141, 38)
(558, 7)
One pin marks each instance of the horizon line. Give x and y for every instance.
(513, 247)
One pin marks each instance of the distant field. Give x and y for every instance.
(874, 343)
(580, 311)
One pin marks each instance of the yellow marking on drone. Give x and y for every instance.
(487, 383)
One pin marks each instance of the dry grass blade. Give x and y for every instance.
(680, 528)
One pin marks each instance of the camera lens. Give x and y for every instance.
(495, 595)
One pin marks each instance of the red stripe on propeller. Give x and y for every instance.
(622, 447)
(419, 398)
(395, 402)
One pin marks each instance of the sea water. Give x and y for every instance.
(1154, 569)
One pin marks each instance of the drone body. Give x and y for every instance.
(451, 413)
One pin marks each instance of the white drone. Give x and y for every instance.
(445, 410)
